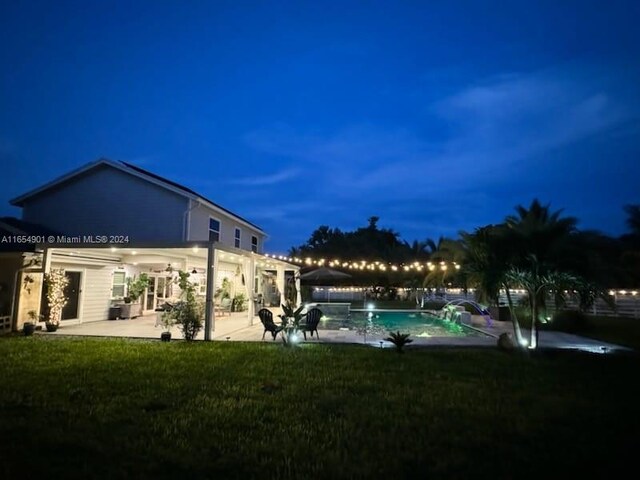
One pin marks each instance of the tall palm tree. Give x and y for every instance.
(630, 256)
(488, 258)
(540, 232)
(633, 218)
(540, 240)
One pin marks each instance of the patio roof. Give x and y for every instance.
(160, 254)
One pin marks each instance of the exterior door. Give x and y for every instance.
(71, 309)
(161, 290)
(150, 294)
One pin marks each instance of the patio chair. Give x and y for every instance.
(223, 306)
(311, 322)
(266, 317)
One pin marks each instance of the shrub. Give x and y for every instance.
(399, 340)
(188, 317)
(188, 312)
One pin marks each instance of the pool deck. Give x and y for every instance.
(235, 327)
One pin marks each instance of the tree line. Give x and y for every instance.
(536, 249)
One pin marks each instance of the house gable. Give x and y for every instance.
(103, 200)
(55, 198)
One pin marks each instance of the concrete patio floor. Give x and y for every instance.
(235, 327)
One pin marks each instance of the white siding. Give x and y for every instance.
(95, 297)
(107, 201)
(199, 228)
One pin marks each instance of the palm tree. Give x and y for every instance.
(541, 238)
(488, 258)
(630, 256)
(448, 252)
(536, 283)
(633, 219)
(540, 232)
(524, 251)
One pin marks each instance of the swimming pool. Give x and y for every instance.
(381, 322)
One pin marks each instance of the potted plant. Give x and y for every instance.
(56, 281)
(225, 290)
(30, 326)
(238, 303)
(167, 322)
(291, 323)
(135, 288)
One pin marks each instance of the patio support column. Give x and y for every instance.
(250, 275)
(209, 312)
(280, 282)
(296, 274)
(46, 260)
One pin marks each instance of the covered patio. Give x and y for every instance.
(99, 279)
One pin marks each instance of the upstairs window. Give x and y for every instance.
(237, 238)
(254, 243)
(214, 230)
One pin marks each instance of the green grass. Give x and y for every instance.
(619, 330)
(109, 408)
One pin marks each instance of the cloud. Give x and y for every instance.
(490, 128)
(362, 144)
(502, 127)
(271, 179)
(489, 143)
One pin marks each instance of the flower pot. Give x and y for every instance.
(28, 329)
(51, 327)
(165, 336)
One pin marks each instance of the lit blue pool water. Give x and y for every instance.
(381, 322)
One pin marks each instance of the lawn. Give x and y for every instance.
(620, 330)
(110, 408)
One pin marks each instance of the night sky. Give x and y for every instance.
(434, 116)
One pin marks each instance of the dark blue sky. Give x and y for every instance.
(434, 116)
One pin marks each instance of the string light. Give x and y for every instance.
(371, 266)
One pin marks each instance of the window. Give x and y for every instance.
(237, 238)
(202, 286)
(254, 243)
(118, 285)
(214, 230)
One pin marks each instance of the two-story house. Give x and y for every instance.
(117, 221)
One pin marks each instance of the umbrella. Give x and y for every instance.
(323, 274)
